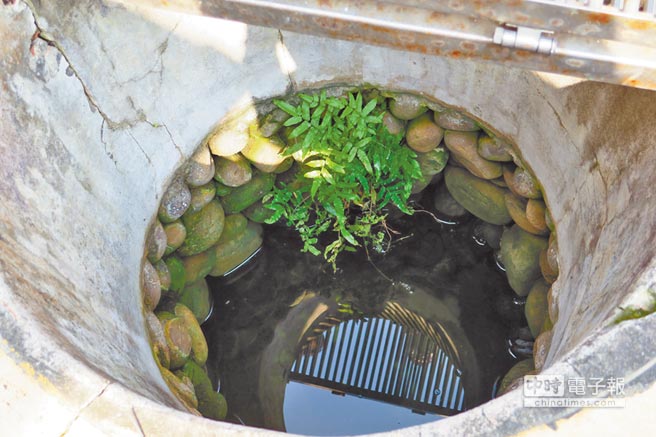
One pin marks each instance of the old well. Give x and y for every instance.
(94, 125)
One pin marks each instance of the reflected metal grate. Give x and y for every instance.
(385, 360)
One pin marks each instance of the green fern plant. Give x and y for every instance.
(352, 168)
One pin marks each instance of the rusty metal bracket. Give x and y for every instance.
(580, 38)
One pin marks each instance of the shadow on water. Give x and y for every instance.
(406, 338)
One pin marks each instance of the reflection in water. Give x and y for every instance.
(425, 330)
(384, 358)
(306, 412)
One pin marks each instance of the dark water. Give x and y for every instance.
(388, 342)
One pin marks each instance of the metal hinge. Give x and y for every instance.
(525, 38)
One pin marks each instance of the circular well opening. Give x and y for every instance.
(435, 208)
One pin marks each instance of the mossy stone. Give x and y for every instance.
(264, 153)
(199, 348)
(520, 254)
(164, 274)
(210, 403)
(499, 182)
(517, 371)
(180, 389)
(231, 254)
(222, 190)
(524, 184)
(445, 204)
(535, 309)
(541, 348)
(494, 149)
(548, 323)
(164, 316)
(204, 228)
(150, 286)
(517, 208)
(489, 233)
(197, 297)
(258, 213)
(536, 215)
(548, 273)
(177, 273)
(285, 165)
(175, 201)
(407, 106)
(508, 170)
(156, 242)
(157, 339)
(232, 171)
(178, 340)
(242, 197)
(552, 253)
(548, 219)
(552, 304)
(198, 266)
(423, 135)
(229, 141)
(175, 236)
(463, 146)
(235, 224)
(420, 184)
(272, 122)
(451, 119)
(200, 168)
(201, 196)
(433, 162)
(394, 125)
(478, 196)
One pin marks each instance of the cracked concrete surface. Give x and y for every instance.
(101, 102)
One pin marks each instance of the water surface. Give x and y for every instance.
(388, 342)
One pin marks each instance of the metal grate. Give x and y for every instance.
(385, 360)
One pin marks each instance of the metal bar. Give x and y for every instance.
(416, 369)
(421, 377)
(332, 365)
(324, 351)
(461, 402)
(430, 390)
(406, 358)
(447, 391)
(360, 352)
(396, 370)
(374, 337)
(366, 346)
(345, 336)
(384, 382)
(439, 379)
(429, 382)
(456, 392)
(348, 357)
(354, 354)
(597, 22)
(304, 361)
(464, 30)
(370, 394)
(381, 353)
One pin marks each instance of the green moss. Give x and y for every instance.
(633, 313)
